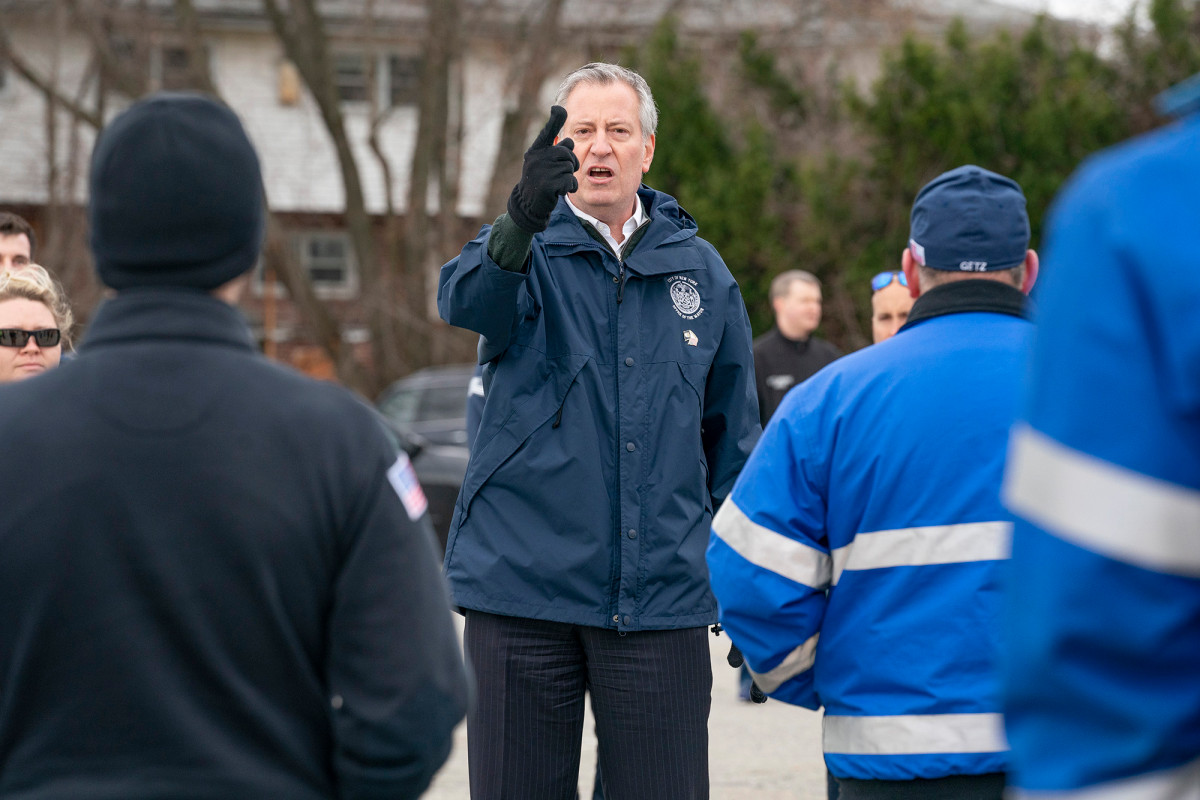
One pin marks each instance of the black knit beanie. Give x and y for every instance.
(175, 195)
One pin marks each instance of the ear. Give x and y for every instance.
(909, 265)
(649, 155)
(231, 291)
(1031, 271)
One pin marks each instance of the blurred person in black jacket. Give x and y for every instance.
(217, 580)
(788, 353)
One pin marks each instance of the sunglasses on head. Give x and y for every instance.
(15, 337)
(885, 279)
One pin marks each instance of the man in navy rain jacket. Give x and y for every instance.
(217, 580)
(620, 407)
(857, 560)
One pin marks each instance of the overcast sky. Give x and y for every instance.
(1104, 11)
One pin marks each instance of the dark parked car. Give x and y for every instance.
(427, 411)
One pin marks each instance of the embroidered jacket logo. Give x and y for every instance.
(685, 296)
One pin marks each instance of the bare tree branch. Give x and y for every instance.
(531, 69)
(42, 84)
(306, 43)
(95, 20)
(193, 39)
(428, 158)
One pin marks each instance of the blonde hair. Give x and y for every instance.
(33, 282)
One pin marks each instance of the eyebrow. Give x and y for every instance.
(590, 121)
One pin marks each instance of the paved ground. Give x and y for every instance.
(766, 752)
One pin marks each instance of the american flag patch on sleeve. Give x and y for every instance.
(403, 478)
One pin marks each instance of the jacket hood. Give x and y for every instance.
(666, 206)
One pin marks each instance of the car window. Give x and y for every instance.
(402, 406)
(443, 402)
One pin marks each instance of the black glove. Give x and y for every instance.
(549, 171)
(736, 660)
(735, 657)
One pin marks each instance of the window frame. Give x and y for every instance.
(298, 243)
(388, 96)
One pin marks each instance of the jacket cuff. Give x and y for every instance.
(508, 245)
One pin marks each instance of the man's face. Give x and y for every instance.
(602, 120)
(798, 311)
(15, 252)
(889, 310)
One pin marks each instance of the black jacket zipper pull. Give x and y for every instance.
(621, 284)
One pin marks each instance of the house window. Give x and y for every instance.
(327, 257)
(176, 68)
(404, 80)
(350, 75)
(329, 260)
(399, 78)
(158, 66)
(131, 66)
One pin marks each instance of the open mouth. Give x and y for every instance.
(600, 172)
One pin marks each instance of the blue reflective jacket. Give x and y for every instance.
(620, 405)
(857, 560)
(1103, 681)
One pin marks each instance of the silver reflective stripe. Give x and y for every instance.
(1107, 509)
(1181, 783)
(797, 661)
(772, 551)
(914, 734)
(936, 544)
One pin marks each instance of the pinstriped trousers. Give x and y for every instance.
(651, 692)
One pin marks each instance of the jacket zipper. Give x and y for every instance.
(621, 260)
(620, 279)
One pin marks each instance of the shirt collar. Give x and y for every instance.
(631, 224)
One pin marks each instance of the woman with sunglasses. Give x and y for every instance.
(35, 321)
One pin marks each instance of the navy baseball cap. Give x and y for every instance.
(969, 220)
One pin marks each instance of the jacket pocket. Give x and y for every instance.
(544, 405)
(695, 376)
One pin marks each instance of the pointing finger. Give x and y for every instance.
(558, 115)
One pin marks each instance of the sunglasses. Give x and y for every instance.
(884, 279)
(15, 337)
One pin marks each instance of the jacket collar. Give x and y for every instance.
(668, 224)
(140, 315)
(958, 297)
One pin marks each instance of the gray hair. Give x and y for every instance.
(782, 282)
(603, 74)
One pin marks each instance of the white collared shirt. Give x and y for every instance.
(631, 224)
